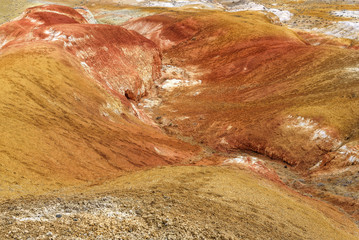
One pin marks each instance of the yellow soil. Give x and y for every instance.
(53, 132)
(54, 137)
(10, 9)
(209, 202)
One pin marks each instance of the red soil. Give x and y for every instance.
(124, 62)
(255, 82)
(290, 96)
(62, 128)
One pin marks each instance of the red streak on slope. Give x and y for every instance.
(124, 62)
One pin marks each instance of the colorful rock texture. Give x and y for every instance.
(265, 89)
(179, 120)
(62, 119)
(124, 62)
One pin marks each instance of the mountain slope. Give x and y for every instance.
(58, 126)
(264, 88)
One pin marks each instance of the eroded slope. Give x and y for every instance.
(134, 62)
(265, 90)
(232, 81)
(59, 127)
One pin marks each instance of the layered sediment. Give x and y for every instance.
(116, 125)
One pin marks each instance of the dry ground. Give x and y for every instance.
(161, 203)
(175, 203)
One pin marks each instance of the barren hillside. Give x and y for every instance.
(179, 120)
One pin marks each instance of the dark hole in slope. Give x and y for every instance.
(130, 95)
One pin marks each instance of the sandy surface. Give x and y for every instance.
(64, 171)
(174, 203)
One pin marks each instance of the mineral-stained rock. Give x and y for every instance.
(70, 124)
(122, 61)
(59, 124)
(264, 88)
